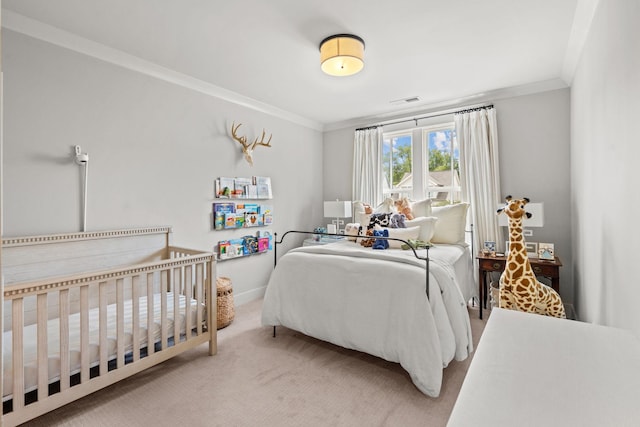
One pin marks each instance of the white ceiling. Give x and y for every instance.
(265, 53)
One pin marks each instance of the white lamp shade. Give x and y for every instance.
(342, 55)
(337, 209)
(537, 216)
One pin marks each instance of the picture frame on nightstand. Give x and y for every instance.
(546, 251)
(489, 248)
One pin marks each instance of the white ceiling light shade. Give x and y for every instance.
(342, 54)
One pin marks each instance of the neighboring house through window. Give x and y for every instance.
(427, 169)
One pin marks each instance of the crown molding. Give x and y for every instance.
(50, 34)
(451, 104)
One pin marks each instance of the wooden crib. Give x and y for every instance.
(82, 311)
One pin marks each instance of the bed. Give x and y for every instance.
(84, 310)
(533, 370)
(375, 301)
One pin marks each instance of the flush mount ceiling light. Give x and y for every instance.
(342, 54)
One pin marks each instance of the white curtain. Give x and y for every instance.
(367, 166)
(477, 134)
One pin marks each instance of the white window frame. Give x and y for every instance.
(408, 192)
(451, 189)
(420, 161)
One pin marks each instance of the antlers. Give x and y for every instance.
(247, 148)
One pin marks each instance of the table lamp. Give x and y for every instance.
(337, 209)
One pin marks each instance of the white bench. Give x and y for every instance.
(542, 371)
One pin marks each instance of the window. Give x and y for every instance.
(442, 157)
(435, 174)
(397, 154)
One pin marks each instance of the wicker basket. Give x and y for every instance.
(226, 311)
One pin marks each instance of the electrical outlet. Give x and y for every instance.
(527, 233)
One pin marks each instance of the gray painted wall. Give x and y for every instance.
(533, 132)
(155, 149)
(605, 125)
(534, 137)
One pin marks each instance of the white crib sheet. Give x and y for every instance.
(53, 334)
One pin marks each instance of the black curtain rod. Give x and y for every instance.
(415, 119)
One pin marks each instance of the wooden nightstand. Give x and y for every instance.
(541, 267)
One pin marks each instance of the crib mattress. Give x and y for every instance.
(30, 339)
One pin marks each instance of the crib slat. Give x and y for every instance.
(63, 307)
(84, 334)
(102, 318)
(177, 285)
(199, 270)
(18, 356)
(188, 290)
(212, 308)
(43, 351)
(150, 319)
(135, 312)
(120, 322)
(163, 308)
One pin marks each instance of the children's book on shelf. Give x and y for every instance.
(253, 220)
(263, 244)
(267, 234)
(245, 208)
(230, 220)
(263, 184)
(230, 248)
(220, 209)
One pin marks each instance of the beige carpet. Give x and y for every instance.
(256, 380)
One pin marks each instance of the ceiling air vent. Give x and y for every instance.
(405, 100)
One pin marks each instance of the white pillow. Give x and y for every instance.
(386, 207)
(421, 208)
(411, 233)
(427, 226)
(452, 220)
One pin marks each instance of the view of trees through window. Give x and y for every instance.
(397, 152)
(443, 158)
(440, 180)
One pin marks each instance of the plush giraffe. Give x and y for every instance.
(519, 287)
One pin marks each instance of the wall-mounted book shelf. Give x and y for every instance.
(245, 246)
(232, 215)
(238, 205)
(255, 187)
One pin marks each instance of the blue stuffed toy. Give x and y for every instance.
(380, 243)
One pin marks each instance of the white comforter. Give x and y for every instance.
(375, 301)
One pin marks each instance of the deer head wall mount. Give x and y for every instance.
(247, 149)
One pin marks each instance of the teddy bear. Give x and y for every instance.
(403, 206)
(380, 243)
(397, 221)
(367, 243)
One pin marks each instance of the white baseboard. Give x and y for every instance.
(248, 296)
